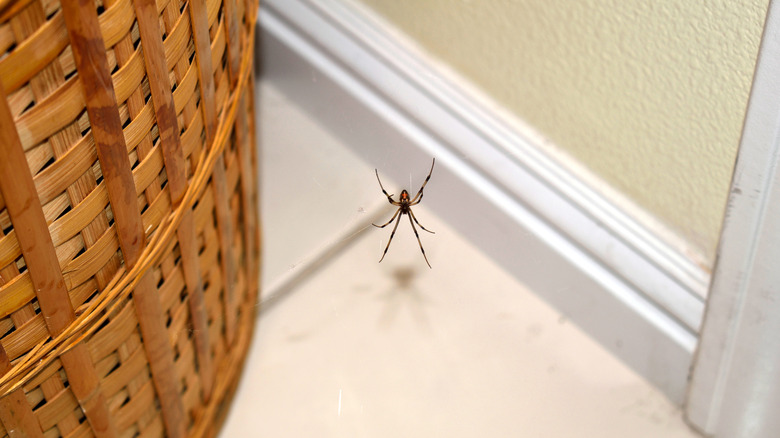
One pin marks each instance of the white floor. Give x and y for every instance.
(362, 349)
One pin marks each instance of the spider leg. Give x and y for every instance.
(391, 237)
(418, 199)
(418, 241)
(419, 193)
(388, 222)
(418, 223)
(389, 197)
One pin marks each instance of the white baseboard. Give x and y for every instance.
(639, 297)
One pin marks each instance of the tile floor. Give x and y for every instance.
(361, 349)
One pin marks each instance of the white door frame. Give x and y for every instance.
(735, 385)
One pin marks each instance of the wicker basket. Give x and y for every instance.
(129, 236)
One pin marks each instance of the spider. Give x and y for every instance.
(404, 205)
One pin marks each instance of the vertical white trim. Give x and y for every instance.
(609, 274)
(735, 386)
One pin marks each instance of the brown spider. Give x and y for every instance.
(405, 207)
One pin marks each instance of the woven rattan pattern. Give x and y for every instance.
(128, 227)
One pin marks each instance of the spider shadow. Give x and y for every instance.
(404, 294)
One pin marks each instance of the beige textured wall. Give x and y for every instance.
(649, 95)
